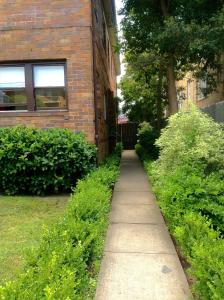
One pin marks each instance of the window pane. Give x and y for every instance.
(13, 99)
(189, 90)
(12, 77)
(105, 107)
(202, 85)
(48, 98)
(49, 76)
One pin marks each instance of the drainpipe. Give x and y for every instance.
(94, 77)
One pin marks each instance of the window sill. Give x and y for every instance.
(37, 113)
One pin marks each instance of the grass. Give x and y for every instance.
(21, 223)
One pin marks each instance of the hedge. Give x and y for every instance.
(37, 161)
(188, 181)
(67, 262)
(147, 136)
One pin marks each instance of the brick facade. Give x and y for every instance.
(105, 81)
(60, 30)
(188, 88)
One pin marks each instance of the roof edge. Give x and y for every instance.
(111, 17)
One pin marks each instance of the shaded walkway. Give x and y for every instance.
(140, 261)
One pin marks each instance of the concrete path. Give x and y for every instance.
(140, 261)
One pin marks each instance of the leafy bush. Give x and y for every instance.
(140, 151)
(37, 161)
(188, 180)
(118, 149)
(191, 139)
(204, 249)
(147, 136)
(67, 262)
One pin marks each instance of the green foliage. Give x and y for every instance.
(37, 161)
(140, 151)
(186, 35)
(67, 262)
(143, 88)
(118, 149)
(188, 180)
(147, 136)
(191, 138)
(204, 249)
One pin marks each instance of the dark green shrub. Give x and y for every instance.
(118, 149)
(67, 262)
(37, 161)
(147, 136)
(141, 152)
(188, 180)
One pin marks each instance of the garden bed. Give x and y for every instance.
(67, 261)
(188, 179)
(21, 224)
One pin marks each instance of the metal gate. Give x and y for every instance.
(127, 134)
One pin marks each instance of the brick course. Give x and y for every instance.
(192, 89)
(58, 30)
(106, 82)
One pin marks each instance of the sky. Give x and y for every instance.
(118, 7)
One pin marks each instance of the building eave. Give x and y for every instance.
(110, 13)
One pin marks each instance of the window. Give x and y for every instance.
(49, 86)
(12, 88)
(96, 14)
(189, 90)
(104, 37)
(105, 106)
(201, 89)
(32, 86)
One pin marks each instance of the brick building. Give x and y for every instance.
(192, 90)
(58, 66)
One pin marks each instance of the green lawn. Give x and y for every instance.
(21, 224)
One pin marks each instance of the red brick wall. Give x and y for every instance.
(22, 14)
(106, 82)
(32, 30)
(48, 30)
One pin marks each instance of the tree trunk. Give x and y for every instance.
(159, 99)
(165, 7)
(172, 90)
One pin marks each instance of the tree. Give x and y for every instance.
(175, 29)
(144, 89)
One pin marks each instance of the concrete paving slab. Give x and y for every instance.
(140, 238)
(132, 176)
(136, 182)
(140, 260)
(136, 214)
(137, 198)
(142, 277)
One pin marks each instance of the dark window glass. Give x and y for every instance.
(13, 99)
(12, 88)
(104, 40)
(47, 98)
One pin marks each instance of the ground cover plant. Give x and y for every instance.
(36, 161)
(66, 264)
(22, 219)
(188, 181)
